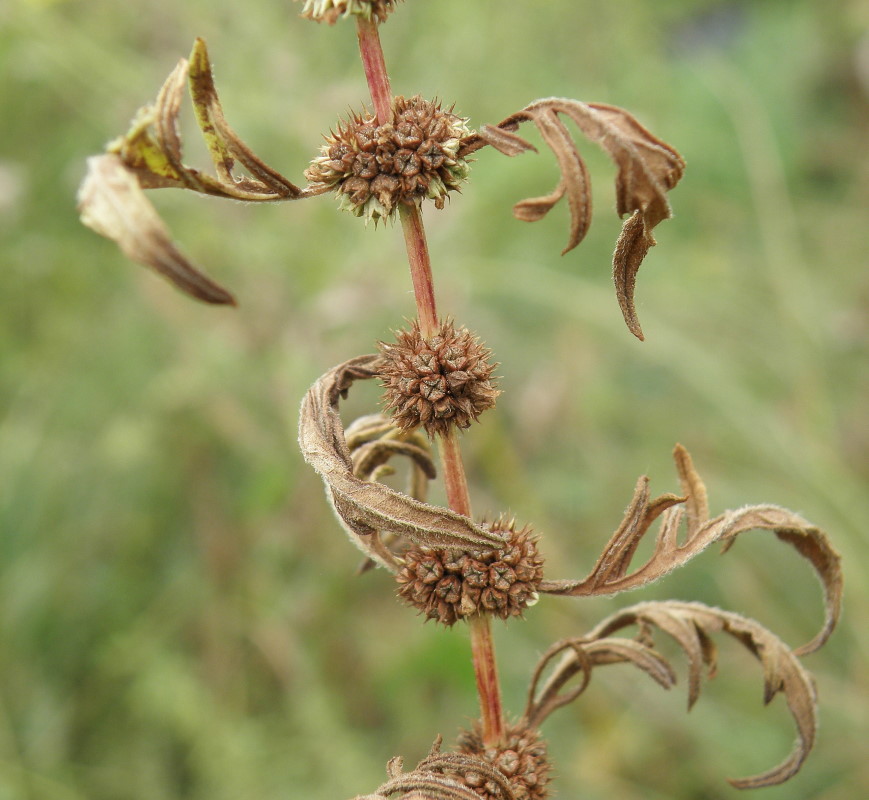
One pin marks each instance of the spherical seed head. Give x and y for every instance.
(374, 168)
(330, 11)
(437, 382)
(522, 759)
(447, 585)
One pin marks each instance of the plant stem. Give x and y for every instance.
(486, 671)
(420, 270)
(375, 68)
(458, 497)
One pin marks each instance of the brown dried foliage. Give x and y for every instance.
(149, 156)
(612, 572)
(441, 776)
(691, 626)
(373, 441)
(366, 509)
(648, 168)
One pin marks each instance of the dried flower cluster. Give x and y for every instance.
(522, 759)
(331, 11)
(448, 585)
(375, 167)
(437, 382)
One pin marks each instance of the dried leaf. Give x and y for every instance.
(610, 575)
(149, 156)
(691, 624)
(633, 243)
(112, 203)
(439, 776)
(363, 507)
(372, 441)
(697, 504)
(647, 169)
(225, 145)
(580, 656)
(152, 146)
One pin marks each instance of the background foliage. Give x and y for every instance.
(178, 611)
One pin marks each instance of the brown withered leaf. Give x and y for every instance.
(611, 573)
(648, 168)
(363, 507)
(691, 625)
(439, 776)
(149, 156)
(580, 656)
(152, 147)
(372, 441)
(111, 202)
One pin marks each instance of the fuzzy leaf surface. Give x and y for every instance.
(111, 202)
(691, 626)
(612, 573)
(149, 156)
(365, 508)
(373, 441)
(647, 167)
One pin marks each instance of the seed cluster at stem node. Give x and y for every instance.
(521, 758)
(438, 382)
(448, 585)
(375, 168)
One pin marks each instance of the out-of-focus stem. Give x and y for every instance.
(375, 68)
(482, 645)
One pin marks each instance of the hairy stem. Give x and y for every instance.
(482, 645)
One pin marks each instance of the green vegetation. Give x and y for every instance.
(179, 610)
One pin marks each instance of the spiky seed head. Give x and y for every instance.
(437, 382)
(330, 11)
(522, 759)
(447, 585)
(375, 168)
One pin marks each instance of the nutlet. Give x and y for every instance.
(447, 585)
(437, 382)
(330, 11)
(522, 759)
(374, 168)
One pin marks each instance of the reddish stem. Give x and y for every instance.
(375, 68)
(420, 270)
(483, 654)
(482, 645)
(455, 482)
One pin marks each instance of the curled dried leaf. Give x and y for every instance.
(152, 146)
(691, 625)
(611, 573)
(366, 508)
(442, 776)
(149, 156)
(111, 202)
(373, 440)
(579, 657)
(648, 168)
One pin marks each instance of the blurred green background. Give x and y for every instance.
(179, 615)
